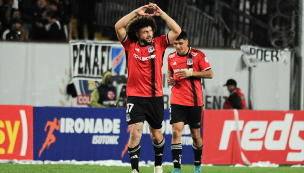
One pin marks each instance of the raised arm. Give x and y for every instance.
(175, 28)
(120, 25)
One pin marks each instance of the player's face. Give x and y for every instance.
(181, 46)
(145, 35)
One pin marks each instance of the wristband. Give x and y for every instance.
(164, 15)
(189, 73)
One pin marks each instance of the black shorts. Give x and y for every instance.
(191, 115)
(150, 109)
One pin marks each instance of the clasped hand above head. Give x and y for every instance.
(142, 10)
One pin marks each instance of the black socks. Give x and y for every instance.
(176, 154)
(197, 155)
(158, 152)
(134, 154)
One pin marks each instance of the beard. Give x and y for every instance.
(145, 41)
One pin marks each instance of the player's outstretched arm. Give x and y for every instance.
(175, 28)
(120, 25)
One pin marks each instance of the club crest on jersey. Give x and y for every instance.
(189, 62)
(151, 49)
(128, 118)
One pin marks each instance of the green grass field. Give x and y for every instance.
(65, 168)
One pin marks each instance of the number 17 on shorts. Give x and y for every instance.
(128, 110)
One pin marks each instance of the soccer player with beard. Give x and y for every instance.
(186, 67)
(144, 55)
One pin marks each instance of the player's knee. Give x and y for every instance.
(196, 138)
(176, 134)
(134, 136)
(177, 131)
(157, 136)
(133, 143)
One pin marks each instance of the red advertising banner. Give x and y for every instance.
(84, 99)
(245, 137)
(16, 132)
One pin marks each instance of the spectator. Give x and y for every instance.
(105, 94)
(13, 32)
(53, 5)
(53, 28)
(63, 16)
(66, 11)
(236, 99)
(9, 10)
(37, 32)
(2, 17)
(26, 9)
(86, 15)
(23, 28)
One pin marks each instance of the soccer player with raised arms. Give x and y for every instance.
(144, 55)
(186, 67)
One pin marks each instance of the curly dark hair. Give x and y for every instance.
(138, 23)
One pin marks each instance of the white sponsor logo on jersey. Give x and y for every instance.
(176, 70)
(172, 56)
(193, 54)
(144, 58)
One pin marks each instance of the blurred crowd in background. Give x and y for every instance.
(209, 23)
(36, 20)
(45, 20)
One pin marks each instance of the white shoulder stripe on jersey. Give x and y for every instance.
(207, 69)
(125, 38)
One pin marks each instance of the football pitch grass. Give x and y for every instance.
(68, 168)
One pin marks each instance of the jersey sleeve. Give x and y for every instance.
(163, 41)
(126, 42)
(169, 66)
(203, 62)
